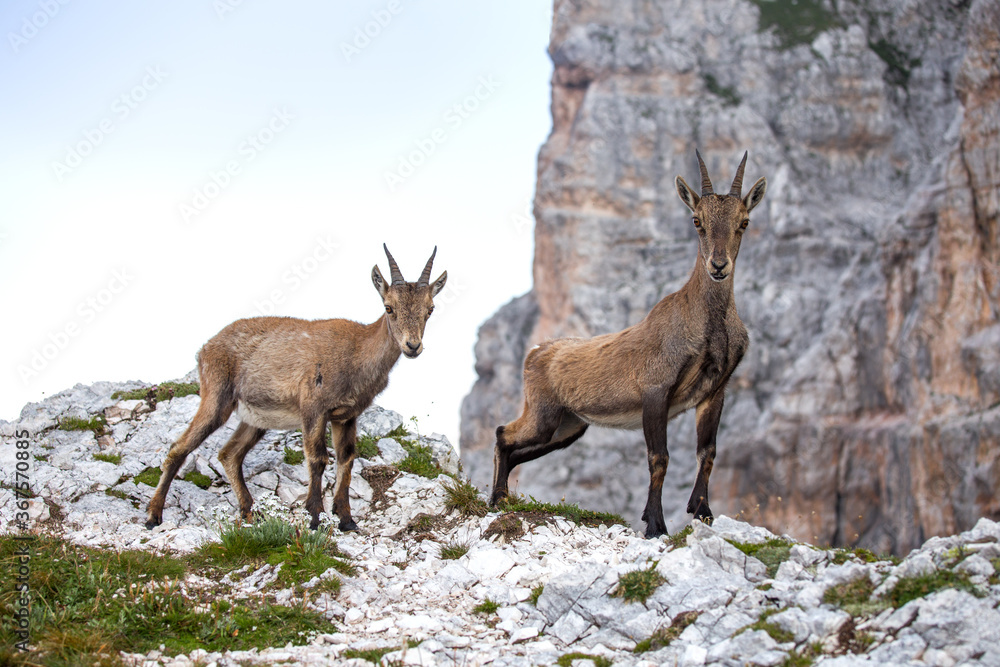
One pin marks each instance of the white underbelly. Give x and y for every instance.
(629, 420)
(268, 418)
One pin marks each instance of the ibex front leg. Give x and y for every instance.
(708, 414)
(317, 456)
(655, 410)
(344, 440)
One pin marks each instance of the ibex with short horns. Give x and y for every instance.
(680, 356)
(286, 373)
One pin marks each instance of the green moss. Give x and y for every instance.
(776, 633)
(419, 461)
(772, 552)
(294, 457)
(158, 392)
(854, 597)
(196, 478)
(375, 655)
(795, 22)
(727, 93)
(98, 424)
(115, 493)
(108, 458)
(911, 588)
(665, 636)
(536, 593)
(569, 512)
(487, 607)
(567, 659)
(638, 585)
(464, 498)
(149, 477)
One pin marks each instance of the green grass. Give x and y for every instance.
(198, 479)
(665, 636)
(841, 556)
(638, 585)
(158, 392)
(536, 593)
(911, 588)
(89, 604)
(419, 461)
(464, 497)
(679, 539)
(374, 655)
(771, 553)
(567, 659)
(803, 657)
(149, 477)
(366, 447)
(453, 550)
(795, 22)
(108, 458)
(98, 424)
(487, 607)
(569, 512)
(776, 632)
(854, 597)
(294, 457)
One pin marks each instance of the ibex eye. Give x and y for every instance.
(743, 225)
(696, 221)
(429, 311)
(388, 310)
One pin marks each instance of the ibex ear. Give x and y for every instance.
(689, 198)
(439, 284)
(379, 281)
(756, 194)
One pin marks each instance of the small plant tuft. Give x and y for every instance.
(158, 392)
(419, 461)
(854, 597)
(638, 585)
(98, 424)
(911, 588)
(464, 497)
(771, 553)
(365, 447)
(536, 593)
(198, 479)
(569, 512)
(679, 539)
(116, 459)
(453, 550)
(294, 457)
(149, 477)
(664, 636)
(776, 632)
(567, 659)
(487, 607)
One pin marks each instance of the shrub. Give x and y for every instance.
(638, 585)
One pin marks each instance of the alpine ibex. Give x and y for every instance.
(680, 356)
(286, 373)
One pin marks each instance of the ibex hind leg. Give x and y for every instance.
(212, 413)
(345, 440)
(508, 455)
(317, 456)
(232, 456)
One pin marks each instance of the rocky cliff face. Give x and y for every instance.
(867, 410)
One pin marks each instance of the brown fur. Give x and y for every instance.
(680, 356)
(282, 372)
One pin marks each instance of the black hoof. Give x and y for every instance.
(703, 513)
(652, 532)
(348, 526)
(153, 523)
(497, 498)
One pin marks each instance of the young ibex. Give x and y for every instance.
(286, 373)
(680, 356)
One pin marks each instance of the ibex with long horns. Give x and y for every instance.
(286, 373)
(680, 356)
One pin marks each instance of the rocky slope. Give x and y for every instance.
(560, 589)
(867, 410)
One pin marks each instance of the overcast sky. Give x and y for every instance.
(169, 167)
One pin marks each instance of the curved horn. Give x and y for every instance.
(737, 189)
(394, 272)
(425, 277)
(706, 182)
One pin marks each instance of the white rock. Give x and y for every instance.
(391, 451)
(488, 562)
